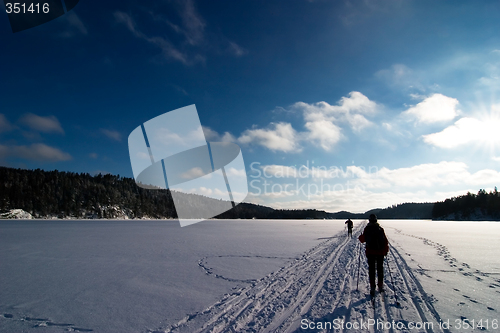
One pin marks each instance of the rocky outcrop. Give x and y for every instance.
(17, 214)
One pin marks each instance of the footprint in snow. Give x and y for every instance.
(35, 319)
(79, 329)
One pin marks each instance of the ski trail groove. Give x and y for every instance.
(306, 299)
(318, 286)
(275, 302)
(420, 299)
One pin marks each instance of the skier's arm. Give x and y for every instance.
(362, 238)
(386, 248)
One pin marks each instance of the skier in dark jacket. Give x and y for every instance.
(377, 247)
(349, 227)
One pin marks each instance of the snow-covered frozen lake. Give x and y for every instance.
(243, 276)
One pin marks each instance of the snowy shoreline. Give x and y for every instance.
(19, 214)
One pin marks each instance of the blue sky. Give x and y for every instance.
(377, 103)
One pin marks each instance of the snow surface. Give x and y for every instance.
(242, 276)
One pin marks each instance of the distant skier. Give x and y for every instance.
(349, 227)
(377, 247)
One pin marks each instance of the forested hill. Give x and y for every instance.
(474, 207)
(67, 194)
(47, 194)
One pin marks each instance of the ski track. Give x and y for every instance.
(414, 291)
(489, 280)
(319, 286)
(44, 323)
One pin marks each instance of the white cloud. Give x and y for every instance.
(427, 176)
(193, 173)
(168, 50)
(490, 71)
(322, 122)
(355, 103)
(355, 201)
(465, 130)
(4, 151)
(279, 171)
(48, 124)
(74, 24)
(358, 122)
(208, 192)
(214, 136)
(401, 76)
(185, 39)
(305, 171)
(236, 49)
(41, 152)
(143, 156)
(236, 172)
(324, 133)
(417, 97)
(35, 152)
(193, 24)
(435, 108)
(422, 175)
(166, 137)
(358, 190)
(114, 135)
(210, 134)
(280, 137)
(5, 125)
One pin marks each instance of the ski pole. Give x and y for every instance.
(359, 262)
(392, 279)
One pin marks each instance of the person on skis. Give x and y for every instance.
(349, 227)
(377, 247)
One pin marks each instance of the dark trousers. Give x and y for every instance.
(378, 262)
(349, 232)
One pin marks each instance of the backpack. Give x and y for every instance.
(375, 237)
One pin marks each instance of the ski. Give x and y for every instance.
(372, 298)
(383, 295)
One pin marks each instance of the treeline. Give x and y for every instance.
(407, 211)
(46, 194)
(480, 206)
(80, 195)
(410, 210)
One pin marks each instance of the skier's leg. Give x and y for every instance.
(371, 270)
(380, 272)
